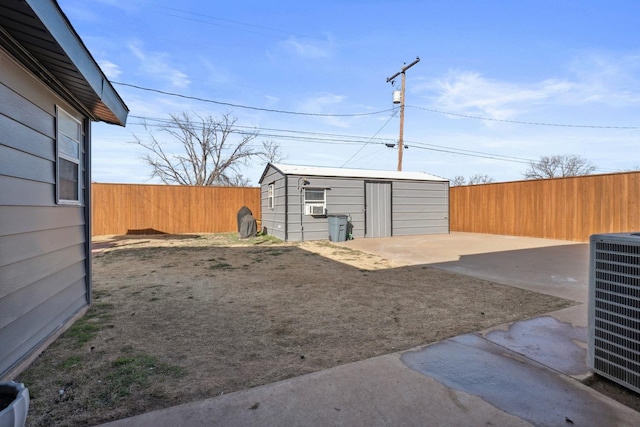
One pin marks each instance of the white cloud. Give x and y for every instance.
(318, 103)
(315, 49)
(593, 79)
(471, 93)
(607, 78)
(111, 70)
(326, 103)
(215, 74)
(157, 64)
(271, 100)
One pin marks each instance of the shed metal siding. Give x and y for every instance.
(379, 208)
(420, 208)
(274, 219)
(413, 206)
(43, 246)
(344, 196)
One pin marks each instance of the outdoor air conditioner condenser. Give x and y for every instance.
(614, 308)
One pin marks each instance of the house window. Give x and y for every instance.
(270, 195)
(69, 137)
(315, 201)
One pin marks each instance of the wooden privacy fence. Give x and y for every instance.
(135, 209)
(562, 208)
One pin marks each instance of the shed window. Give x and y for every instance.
(270, 195)
(68, 170)
(315, 201)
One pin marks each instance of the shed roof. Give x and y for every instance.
(350, 173)
(39, 34)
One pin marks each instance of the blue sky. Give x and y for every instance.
(552, 62)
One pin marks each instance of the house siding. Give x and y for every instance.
(43, 246)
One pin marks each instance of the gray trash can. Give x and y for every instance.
(338, 227)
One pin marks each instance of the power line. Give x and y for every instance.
(482, 156)
(374, 135)
(468, 116)
(373, 113)
(300, 138)
(329, 138)
(228, 104)
(426, 146)
(372, 156)
(171, 123)
(210, 18)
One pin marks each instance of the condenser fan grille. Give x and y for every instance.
(614, 312)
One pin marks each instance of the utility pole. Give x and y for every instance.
(401, 139)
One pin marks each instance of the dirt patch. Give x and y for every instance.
(180, 318)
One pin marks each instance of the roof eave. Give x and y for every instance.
(57, 24)
(331, 173)
(266, 169)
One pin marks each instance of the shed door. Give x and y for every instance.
(378, 209)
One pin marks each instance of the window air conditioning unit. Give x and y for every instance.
(614, 308)
(314, 209)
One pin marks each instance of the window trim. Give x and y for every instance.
(62, 156)
(271, 190)
(306, 202)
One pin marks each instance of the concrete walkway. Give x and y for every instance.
(554, 267)
(524, 373)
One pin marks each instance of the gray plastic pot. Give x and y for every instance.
(15, 414)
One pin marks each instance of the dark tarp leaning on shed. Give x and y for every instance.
(241, 213)
(248, 227)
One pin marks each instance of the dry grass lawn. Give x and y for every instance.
(180, 318)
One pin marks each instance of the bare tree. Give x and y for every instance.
(473, 180)
(212, 150)
(458, 181)
(479, 179)
(272, 152)
(559, 166)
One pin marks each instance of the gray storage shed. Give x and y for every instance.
(50, 90)
(297, 200)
